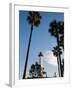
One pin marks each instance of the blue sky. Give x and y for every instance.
(41, 40)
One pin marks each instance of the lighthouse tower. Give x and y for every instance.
(41, 61)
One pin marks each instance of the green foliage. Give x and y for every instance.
(36, 71)
(56, 50)
(34, 18)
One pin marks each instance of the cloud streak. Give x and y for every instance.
(50, 58)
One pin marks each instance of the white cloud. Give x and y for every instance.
(50, 58)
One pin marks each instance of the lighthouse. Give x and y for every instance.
(41, 61)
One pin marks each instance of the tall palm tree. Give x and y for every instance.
(56, 29)
(34, 20)
(55, 52)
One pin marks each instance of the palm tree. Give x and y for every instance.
(56, 29)
(34, 20)
(55, 52)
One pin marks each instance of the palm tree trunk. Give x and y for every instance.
(27, 55)
(58, 66)
(59, 57)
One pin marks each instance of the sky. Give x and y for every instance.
(42, 41)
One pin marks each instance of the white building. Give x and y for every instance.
(41, 62)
